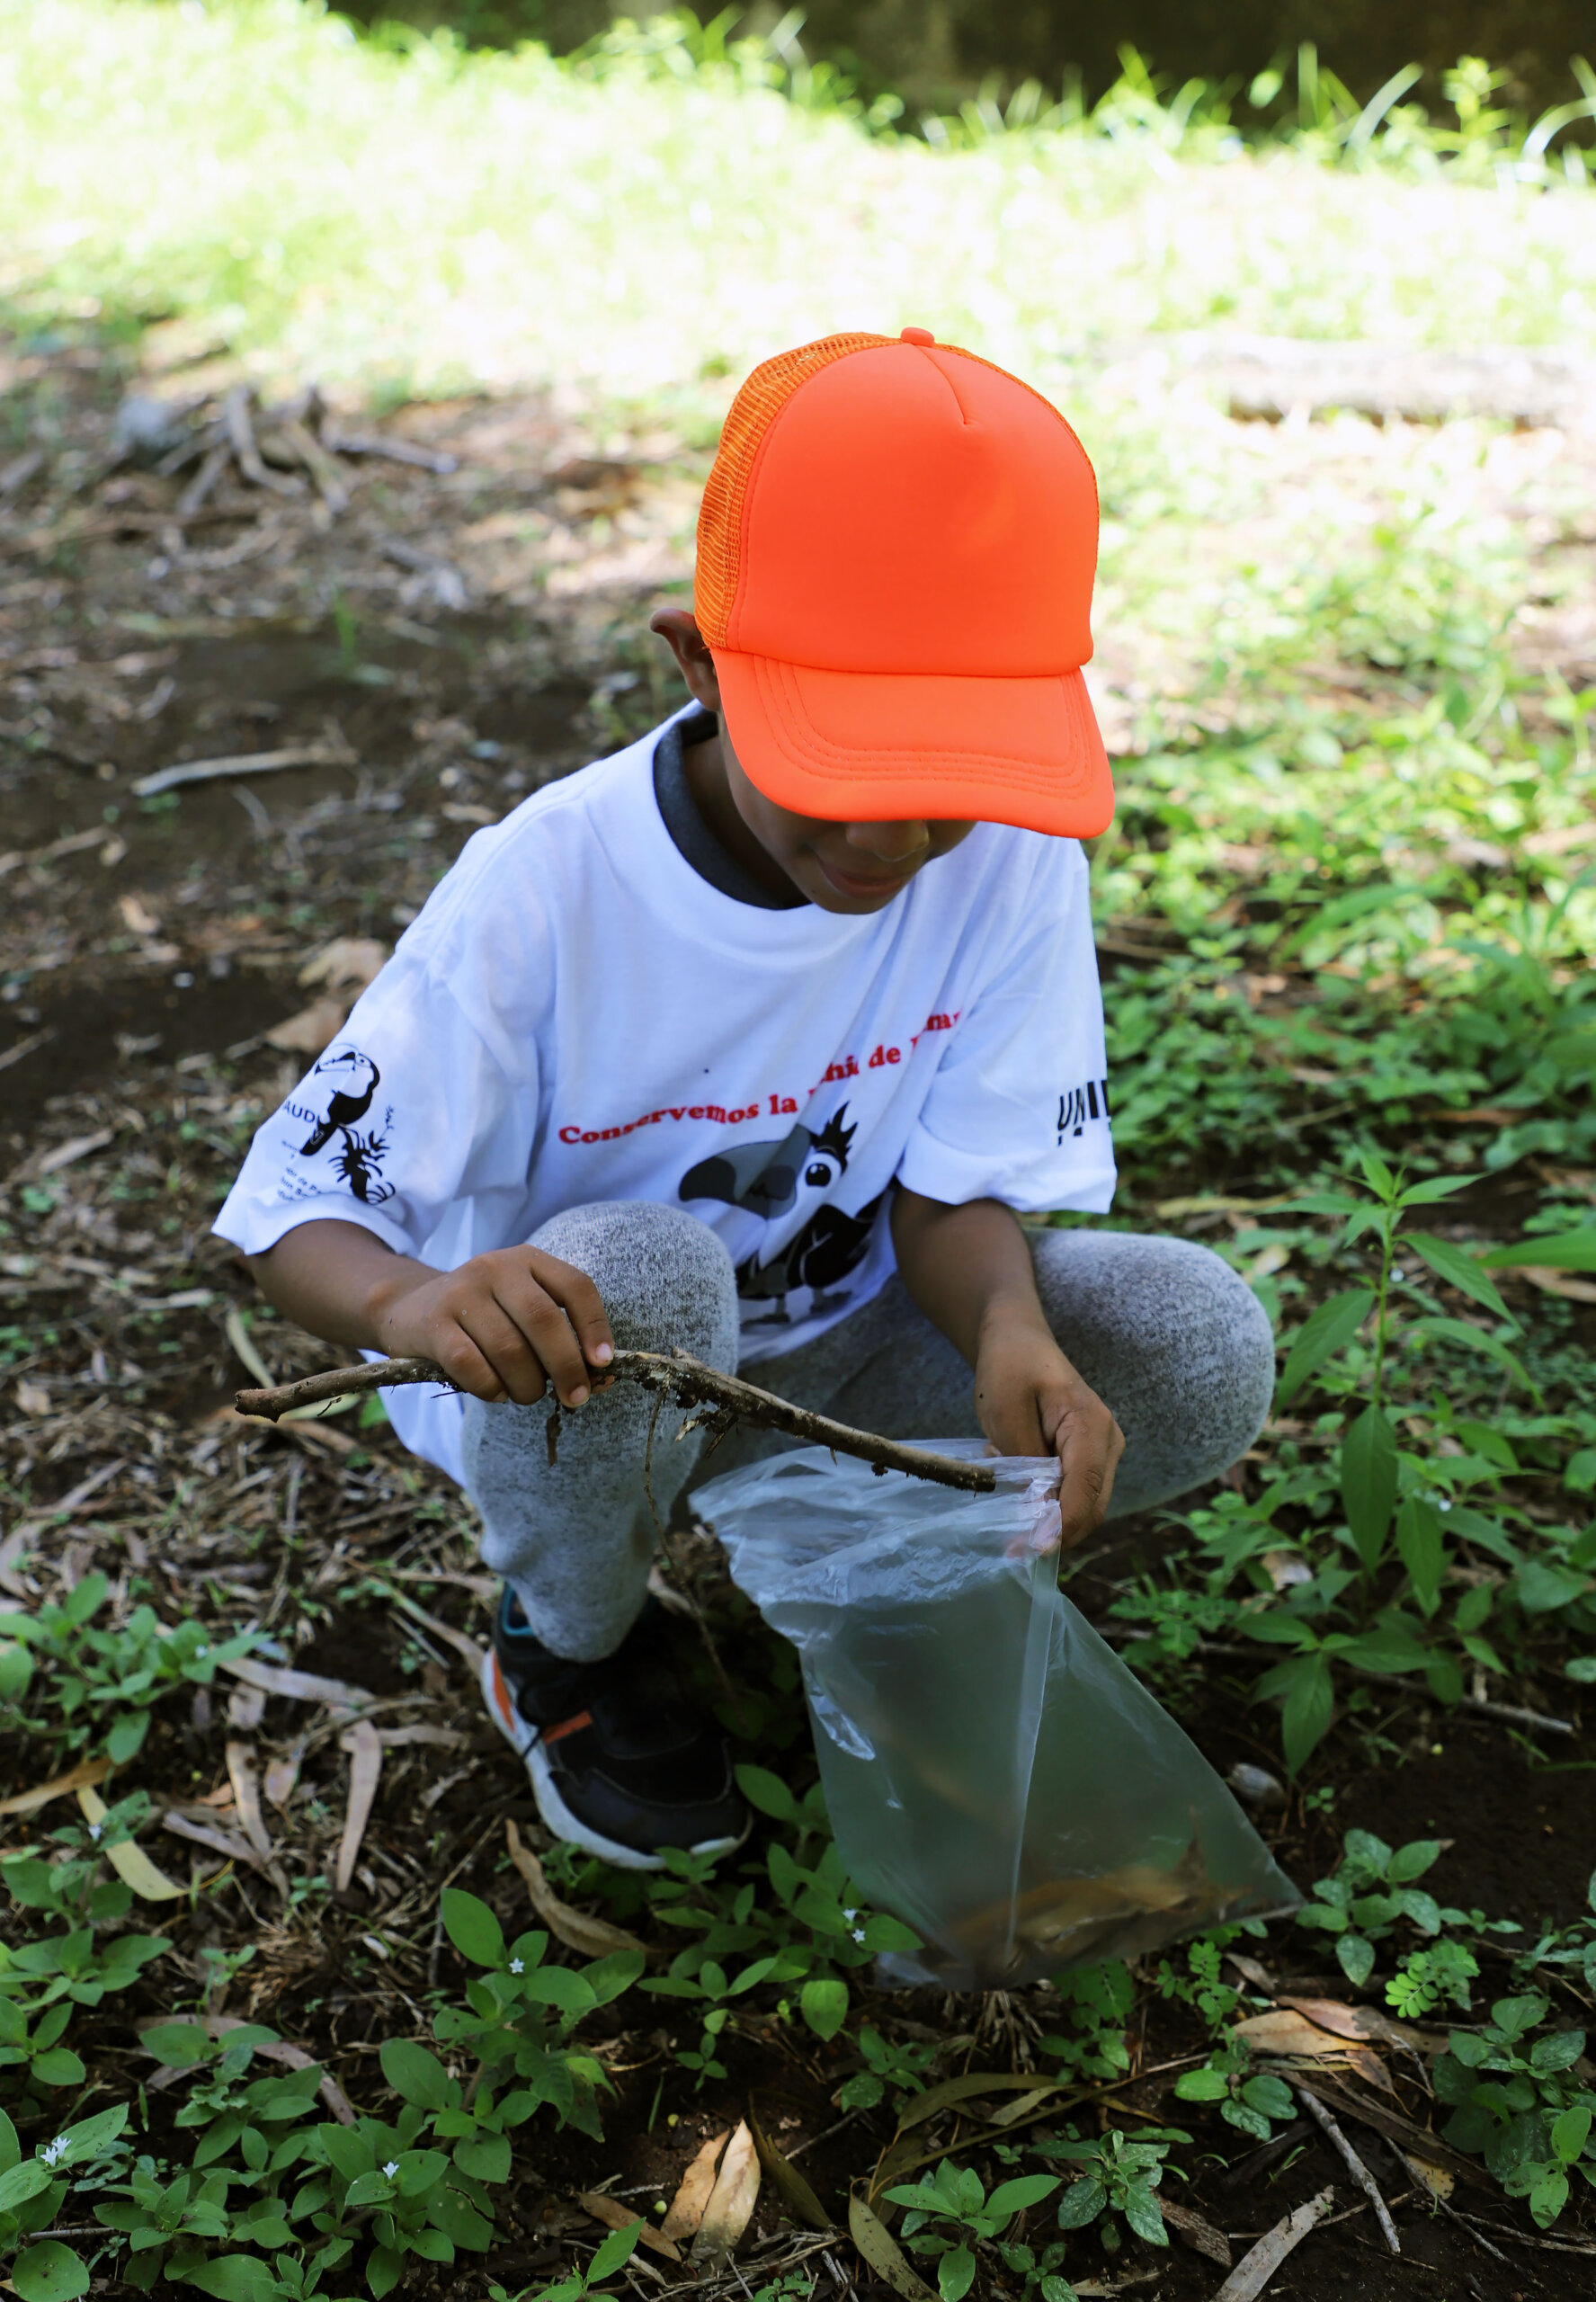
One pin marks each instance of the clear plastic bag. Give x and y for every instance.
(995, 1776)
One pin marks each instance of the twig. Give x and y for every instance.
(685, 1380)
(199, 488)
(242, 439)
(1519, 1718)
(1353, 2164)
(208, 770)
(398, 452)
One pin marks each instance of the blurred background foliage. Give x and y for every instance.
(938, 54)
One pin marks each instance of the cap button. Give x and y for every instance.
(917, 336)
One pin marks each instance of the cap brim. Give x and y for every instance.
(879, 747)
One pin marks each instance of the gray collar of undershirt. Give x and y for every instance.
(690, 834)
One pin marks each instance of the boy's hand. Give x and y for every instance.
(505, 1326)
(1031, 1401)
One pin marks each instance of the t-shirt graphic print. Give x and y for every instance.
(803, 1279)
(578, 1016)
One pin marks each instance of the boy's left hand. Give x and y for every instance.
(1031, 1401)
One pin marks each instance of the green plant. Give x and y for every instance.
(950, 2214)
(43, 1980)
(31, 2192)
(93, 1687)
(900, 2065)
(1518, 2105)
(1370, 1890)
(520, 2015)
(1119, 2177)
(610, 2256)
(1096, 2001)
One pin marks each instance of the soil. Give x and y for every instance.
(144, 974)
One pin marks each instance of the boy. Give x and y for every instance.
(754, 1039)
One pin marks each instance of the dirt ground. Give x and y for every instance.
(152, 949)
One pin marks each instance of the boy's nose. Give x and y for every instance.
(890, 842)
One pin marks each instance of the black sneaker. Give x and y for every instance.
(620, 1763)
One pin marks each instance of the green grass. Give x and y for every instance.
(341, 208)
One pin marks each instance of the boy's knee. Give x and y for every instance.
(1173, 1337)
(663, 1277)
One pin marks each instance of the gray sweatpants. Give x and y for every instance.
(1163, 1331)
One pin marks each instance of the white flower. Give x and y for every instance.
(857, 1932)
(391, 2169)
(201, 1652)
(518, 1965)
(95, 1829)
(850, 1916)
(1396, 1274)
(54, 2152)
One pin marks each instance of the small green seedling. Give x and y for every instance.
(954, 2197)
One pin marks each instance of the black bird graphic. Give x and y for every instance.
(764, 1177)
(344, 1107)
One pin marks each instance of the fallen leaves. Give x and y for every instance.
(1188, 2224)
(132, 1866)
(686, 2210)
(83, 1776)
(592, 1937)
(610, 2212)
(364, 1746)
(731, 2201)
(1253, 2273)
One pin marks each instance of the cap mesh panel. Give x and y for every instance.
(720, 515)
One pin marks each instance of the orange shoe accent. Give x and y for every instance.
(896, 554)
(566, 1727)
(502, 1695)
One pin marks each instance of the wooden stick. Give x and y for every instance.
(1353, 2164)
(688, 1381)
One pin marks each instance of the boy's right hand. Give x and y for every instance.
(505, 1326)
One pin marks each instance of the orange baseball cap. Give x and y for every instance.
(896, 552)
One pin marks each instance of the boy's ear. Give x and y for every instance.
(686, 643)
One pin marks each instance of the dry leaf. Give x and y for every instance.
(32, 1398)
(1284, 2032)
(300, 1686)
(881, 2252)
(136, 916)
(594, 1938)
(79, 1778)
(731, 2201)
(1253, 2273)
(246, 1797)
(132, 1866)
(282, 1775)
(365, 1771)
(313, 1029)
(1188, 2224)
(1364, 2023)
(692, 2193)
(1552, 1281)
(445, 1738)
(610, 2212)
(245, 1349)
(226, 1843)
(357, 959)
(1439, 2181)
(790, 2186)
(468, 1651)
(246, 1707)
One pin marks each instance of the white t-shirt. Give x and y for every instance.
(577, 1015)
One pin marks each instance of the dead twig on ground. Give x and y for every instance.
(1353, 2164)
(1253, 2273)
(208, 770)
(687, 1381)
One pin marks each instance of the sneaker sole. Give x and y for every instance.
(523, 1738)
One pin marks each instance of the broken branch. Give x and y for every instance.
(687, 1381)
(1353, 2164)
